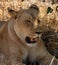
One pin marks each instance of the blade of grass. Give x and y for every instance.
(52, 60)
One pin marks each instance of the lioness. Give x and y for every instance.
(20, 40)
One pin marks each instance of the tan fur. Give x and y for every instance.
(13, 44)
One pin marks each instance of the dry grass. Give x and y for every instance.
(17, 4)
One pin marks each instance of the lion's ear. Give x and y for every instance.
(12, 12)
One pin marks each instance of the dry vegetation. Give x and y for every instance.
(17, 4)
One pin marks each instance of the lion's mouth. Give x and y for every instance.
(34, 39)
(29, 40)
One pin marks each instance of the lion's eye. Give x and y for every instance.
(28, 22)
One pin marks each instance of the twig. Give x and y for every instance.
(52, 60)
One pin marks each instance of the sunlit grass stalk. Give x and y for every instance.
(52, 60)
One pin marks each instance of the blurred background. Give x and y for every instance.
(16, 4)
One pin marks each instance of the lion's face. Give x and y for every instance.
(26, 30)
(26, 25)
